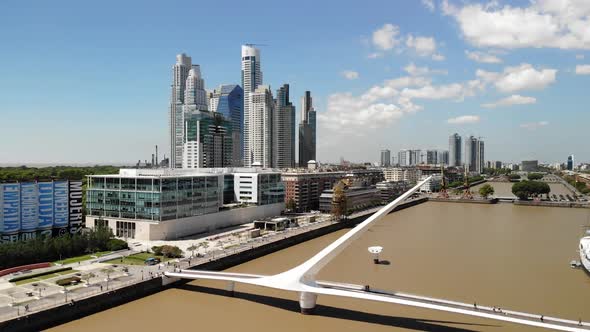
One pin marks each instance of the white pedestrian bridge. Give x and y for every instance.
(302, 280)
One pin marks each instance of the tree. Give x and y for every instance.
(116, 244)
(513, 177)
(526, 189)
(535, 176)
(192, 249)
(486, 190)
(290, 204)
(171, 251)
(86, 277)
(339, 201)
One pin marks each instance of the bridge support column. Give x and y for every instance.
(307, 302)
(230, 287)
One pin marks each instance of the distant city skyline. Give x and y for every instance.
(406, 75)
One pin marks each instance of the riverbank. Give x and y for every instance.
(72, 310)
(69, 311)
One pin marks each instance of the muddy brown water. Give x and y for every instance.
(513, 257)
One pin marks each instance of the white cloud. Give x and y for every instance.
(523, 77)
(423, 46)
(563, 24)
(512, 100)
(413, 70)
(438, 57)
(375, 55)
(385, 38)
(579, 56)
(429, 4)
(350, 74)
(482, 57)
(583, 70)
(465, 119)
(534, 125)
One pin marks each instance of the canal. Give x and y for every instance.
(513, 257)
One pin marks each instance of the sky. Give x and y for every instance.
(89, 82)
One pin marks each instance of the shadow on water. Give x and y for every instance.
(340, 313)
(384, 262)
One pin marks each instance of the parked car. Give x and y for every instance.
(152, 261)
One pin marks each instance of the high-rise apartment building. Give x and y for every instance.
(385, 158)
(283, 140)
(443, 157)
(251, 79)
(259, 130)
(455, 150)
(474, 155)
(228, 100)
(180, 72)
(307, 131)
(403, 158)
(431, 157)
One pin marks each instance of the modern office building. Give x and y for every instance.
(307, 131)
(229, 101)
(180, 72)
(30, 210)
(455, 150)
(390, 190)
(152, 204)
(251, 79)
(530, 165)
(283, 130)
(570, 163)
(208, 140)
(385, 158)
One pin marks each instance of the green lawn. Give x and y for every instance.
(82, 258)
(136, 259)
(47, 276)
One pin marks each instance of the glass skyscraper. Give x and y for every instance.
(230, 103)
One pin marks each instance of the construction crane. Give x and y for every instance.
(443, 183)
(466, 191)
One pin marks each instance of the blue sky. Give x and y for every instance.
(89, 81)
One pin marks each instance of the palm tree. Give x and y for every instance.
(192, 249)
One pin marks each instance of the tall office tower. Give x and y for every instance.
(480, 157)
(251, 79)
(455, 150)
(307, 131)
(570, 163)
(443, 157)
(385, 158)
(180, 72)
(194, 93)
(404, 157)
(283, 130)
(229, 101)
(259, 135)
(208, 140)
(431, 157)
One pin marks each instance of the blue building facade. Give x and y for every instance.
(231, 105)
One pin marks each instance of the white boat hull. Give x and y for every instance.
(585, 253)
